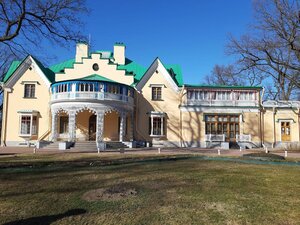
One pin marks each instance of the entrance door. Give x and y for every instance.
(285, 131)
(92, 128)
(223, 124)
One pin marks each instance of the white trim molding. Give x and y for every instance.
(217, 109)
(161, 115)
(22, 68)
(157, 66)
(278, 122)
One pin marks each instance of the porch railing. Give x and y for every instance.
(215, 137)
(91, 96)
(243, 137)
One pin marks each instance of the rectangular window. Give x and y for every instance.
(227, 125)
(25, 124)
(29, 90)
(63, 124)
(28, 127)
(156, 126)
(156, 93)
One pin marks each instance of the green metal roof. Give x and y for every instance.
(92, 77)
(222, 86)
(48, 72)
(13, 66)
(60, 67)
(133, 68)
(96, 77)
(138, 71)
(176, 69)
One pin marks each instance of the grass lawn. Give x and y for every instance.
(49, 189)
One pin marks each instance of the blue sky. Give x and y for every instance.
(192, 33)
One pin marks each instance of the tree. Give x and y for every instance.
(224, 75)
(24, 24)
(271, 49)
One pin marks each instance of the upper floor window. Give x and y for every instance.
(156, 93)
(29, 90)
(86, 87)
(246, 96)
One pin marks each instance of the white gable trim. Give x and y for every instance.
(156, 65)
(27, 62)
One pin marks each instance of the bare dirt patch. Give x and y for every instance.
(112, 193)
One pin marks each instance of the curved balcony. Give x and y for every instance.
(91, 90)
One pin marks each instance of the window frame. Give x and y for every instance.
(32, 91)
(160, 118)
(156, 93)
(33, 125)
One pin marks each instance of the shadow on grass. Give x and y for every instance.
(45, 220)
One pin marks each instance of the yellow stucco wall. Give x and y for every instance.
(280, 115)
(169, 104)
(17, 102)
(193, 127)
(251, 125)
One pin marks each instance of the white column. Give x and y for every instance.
(162, 125)
(122, 126)
(151, 125)
(131, 126)
(99, 126)
(54, 127)
(72, 125)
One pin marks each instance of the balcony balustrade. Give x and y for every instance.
(215, 137)
(200, 102)
(83, 90)
(90, 96)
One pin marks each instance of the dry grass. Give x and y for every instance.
(186, 191)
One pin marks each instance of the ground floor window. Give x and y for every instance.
(157, 125)
(285, 131)
(222, 124)
(28, 125)
(63, 124)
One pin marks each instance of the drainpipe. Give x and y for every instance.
(274, 130)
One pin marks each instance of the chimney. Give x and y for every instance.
(82, 50)
(119, 53)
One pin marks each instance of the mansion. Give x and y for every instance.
(103, 98)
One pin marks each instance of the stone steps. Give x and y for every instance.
(115, 145)
(51, 146)
(85, 146)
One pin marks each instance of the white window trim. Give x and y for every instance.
(161, 115)
(30, 82)
(157, 85)
(30, 113)
(279, 127)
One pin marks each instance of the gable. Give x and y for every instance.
(16, 71)
(157, 66)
